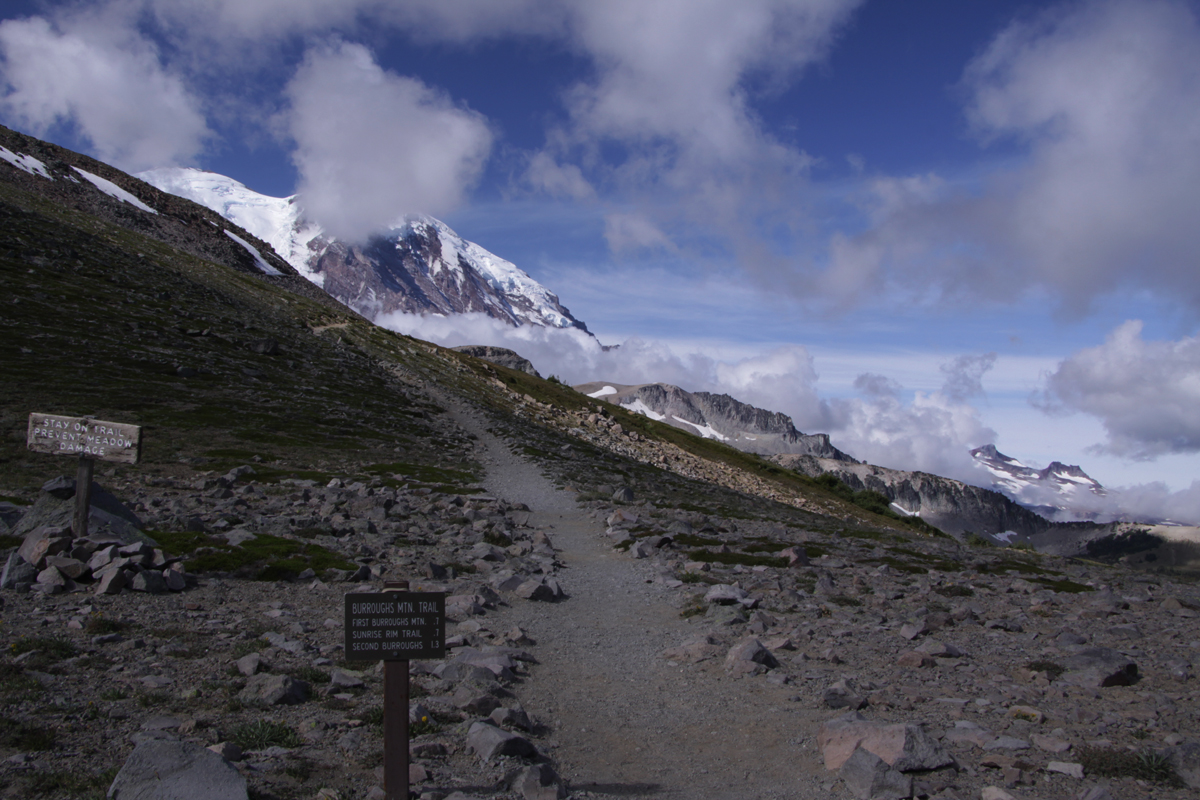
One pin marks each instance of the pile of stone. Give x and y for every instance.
(51, 560)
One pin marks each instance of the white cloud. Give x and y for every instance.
(964, 376)
(932, 433)
(1147, 394)
(630, 232)
(1105, 98)
(670, 89)
(372, 145)
(95, 73)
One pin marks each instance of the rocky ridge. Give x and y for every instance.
(716, 416)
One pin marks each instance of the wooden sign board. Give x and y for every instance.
(84, 437)
(395, 626)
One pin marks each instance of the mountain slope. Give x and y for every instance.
(1057, 490)
(419, 266)
(716, 416)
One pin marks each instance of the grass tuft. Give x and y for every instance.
(261, 734)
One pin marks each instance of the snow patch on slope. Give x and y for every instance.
(275, 220)
(111, 189)
(27, 163)
(259, 261)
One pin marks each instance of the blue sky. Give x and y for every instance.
(919, 226)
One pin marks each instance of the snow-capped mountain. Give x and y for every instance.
(1057, 486)
(716, 416)
(419, 266)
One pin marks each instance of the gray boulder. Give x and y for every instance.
(868, 777)
(106, 513)
(274, 690)
(18, 573)
(1185, 758)
(487, 741)
(539, 782)
(168, 769)
(1098, 667)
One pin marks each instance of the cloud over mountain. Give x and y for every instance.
(91, 72)
(372, 145)
(1147, 394)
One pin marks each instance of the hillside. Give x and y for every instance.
(633, 609)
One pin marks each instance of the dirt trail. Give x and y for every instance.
(625, 721)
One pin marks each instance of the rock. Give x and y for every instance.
(510, 718)
(1095, 793)
(725, 595)
(868, 777)
(1006, 743)
(227, 750)
(535, 589)
(1050, 744)
(110, 582)
(274, 690)
(487, 741)
(148, 581)
(1098, 667)
(18, 573)
(345, 679)
(1185, 758)
(69, 567)
(106, 513)
(479, 704)
(249, 664)
(694, 650)
(967, 731)
(914, 659)
(749, 656)
(796, 556)
(623, 495)
(43, 542)
(168, 769)
(995, 793)
(843, 695)
(1071, 770)
(539, 782)
(904, 746)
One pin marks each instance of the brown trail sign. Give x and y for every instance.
(90, 439)
(395, 625)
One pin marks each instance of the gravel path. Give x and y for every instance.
(626, 722)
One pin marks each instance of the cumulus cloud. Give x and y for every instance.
(783, 379)
(372, 145)
(1105, 99)
(97, 74)
(1147, 394)
(630, 232)
(964, 376)
(931, 433)
(670, 89)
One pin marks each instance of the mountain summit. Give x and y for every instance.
(418, 266)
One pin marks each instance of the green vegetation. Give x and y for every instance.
(264, 558)
(1114, 762)
(1052, 670)
(68, 784)
(729, 559)
(23, 736)
(261, 734)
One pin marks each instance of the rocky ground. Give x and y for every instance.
(624, 647)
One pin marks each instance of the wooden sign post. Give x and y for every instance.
(90, 439)
(395, 625)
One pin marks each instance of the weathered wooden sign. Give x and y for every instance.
(395, 626)
(85, 438)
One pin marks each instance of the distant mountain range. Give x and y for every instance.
(1053, 490)
(716, 416)
(419, 266)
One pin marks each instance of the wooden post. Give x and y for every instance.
(395, 719)
(83, 497)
